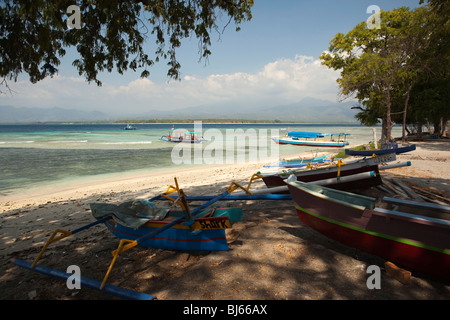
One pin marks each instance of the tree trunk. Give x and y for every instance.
(388, 114)
(384, 131)
(404, 113)
(437, 127)
(419, 129)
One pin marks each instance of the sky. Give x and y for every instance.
(273, 60)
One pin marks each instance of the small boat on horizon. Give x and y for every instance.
(314, 139)
(129, 127)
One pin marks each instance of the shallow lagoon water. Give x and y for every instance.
(35, 154)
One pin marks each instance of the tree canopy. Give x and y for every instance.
(391, 69)
(114, 34)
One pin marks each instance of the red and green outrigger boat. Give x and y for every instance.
(417, 241)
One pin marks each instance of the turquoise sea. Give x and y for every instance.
(32, 155)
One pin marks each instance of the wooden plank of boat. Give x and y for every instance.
(408, 190)
(355, 220)
(435, 197)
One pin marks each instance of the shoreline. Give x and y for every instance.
(123, 181)
(135, 181)
(63, 188)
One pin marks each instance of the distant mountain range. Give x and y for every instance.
(9, 114)
(306, 110)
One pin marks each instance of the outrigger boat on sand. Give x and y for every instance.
(141, 223)
(314, 139)
(340, 175)
(299, 162)
(369, 153)
(416, 241)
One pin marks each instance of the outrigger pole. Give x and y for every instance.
(86, 282)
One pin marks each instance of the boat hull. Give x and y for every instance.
(307, 143)
(380, 152)
(354, 168)
(177, 140)
(278, 180)
(211, 237)
(412, 244)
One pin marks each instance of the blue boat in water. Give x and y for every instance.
(314, 139)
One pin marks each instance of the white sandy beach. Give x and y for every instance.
(28, 218)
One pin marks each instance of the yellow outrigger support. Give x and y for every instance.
(339, 165)
(53, 238)
(64, 234)
(233, 186)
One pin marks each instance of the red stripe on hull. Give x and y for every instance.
(406, 255)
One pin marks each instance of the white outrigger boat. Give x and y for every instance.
(314, 139)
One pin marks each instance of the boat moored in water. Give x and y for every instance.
(182, 135)
(314, 139)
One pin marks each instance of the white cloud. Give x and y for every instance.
(279, 82)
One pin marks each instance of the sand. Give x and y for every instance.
(272, 256)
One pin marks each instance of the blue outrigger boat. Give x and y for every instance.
(298, 162)
(369, 153)
(314, 139)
